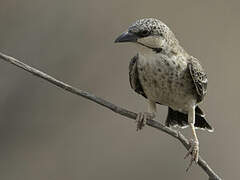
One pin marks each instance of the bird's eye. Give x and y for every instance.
(145, 33)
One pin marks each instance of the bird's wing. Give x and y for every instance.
(133, 77)
(199, 77)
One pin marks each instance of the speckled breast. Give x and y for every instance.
(166, 80)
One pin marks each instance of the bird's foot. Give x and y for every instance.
(194, 152)
(142, 118)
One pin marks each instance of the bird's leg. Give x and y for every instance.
(194, 149)
(142, 117)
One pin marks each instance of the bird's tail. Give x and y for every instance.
(176, 118)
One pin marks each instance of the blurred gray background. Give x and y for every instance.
(47, 133)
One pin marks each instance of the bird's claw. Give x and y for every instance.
(194, 152)
(142, 118)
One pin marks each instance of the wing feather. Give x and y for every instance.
(133, 77)
(199, 77)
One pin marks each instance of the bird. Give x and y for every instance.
(164, 73)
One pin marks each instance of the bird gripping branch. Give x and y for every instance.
(165, 74)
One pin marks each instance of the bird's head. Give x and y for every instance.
(150, 35)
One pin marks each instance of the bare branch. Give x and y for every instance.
(155, 124)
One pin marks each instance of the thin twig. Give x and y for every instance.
(155, 124)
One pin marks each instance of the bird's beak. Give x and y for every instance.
(126, 37)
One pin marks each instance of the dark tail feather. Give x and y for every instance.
(176, 118)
